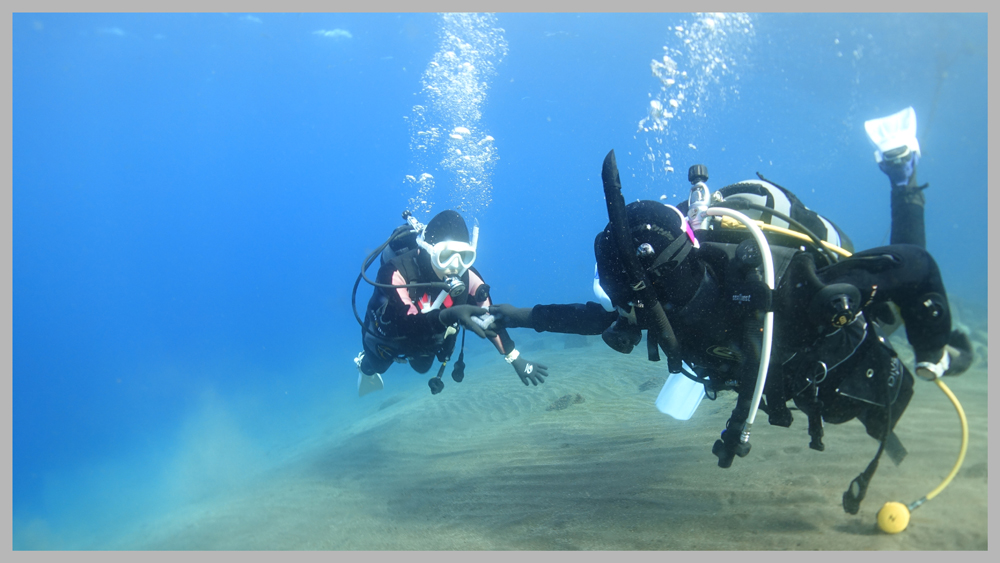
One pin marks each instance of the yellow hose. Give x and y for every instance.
(895, 516)
(787, 232)
(965, 440)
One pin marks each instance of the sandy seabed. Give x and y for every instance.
(486, 465)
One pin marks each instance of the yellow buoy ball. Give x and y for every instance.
(893, 517)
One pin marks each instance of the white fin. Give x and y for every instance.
(369, 384)
(893, 131)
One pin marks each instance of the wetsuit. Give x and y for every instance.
(403, 322)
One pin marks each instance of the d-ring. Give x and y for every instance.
(820, 380)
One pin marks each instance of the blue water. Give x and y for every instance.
(193, 195)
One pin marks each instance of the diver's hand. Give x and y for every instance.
(932, 364)
(527, 371)
(729, 447)
(960, 352)
(509, 316)
(530, 371)
(471, 317)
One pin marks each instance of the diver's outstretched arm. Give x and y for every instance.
(575, 318)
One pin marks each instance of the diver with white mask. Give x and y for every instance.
(426, 290)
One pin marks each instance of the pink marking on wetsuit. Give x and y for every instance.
(397, 279)
(474, 283)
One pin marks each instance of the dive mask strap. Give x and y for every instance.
(671, 257)
(676, 251)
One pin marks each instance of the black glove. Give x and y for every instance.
(728, 447)
(529, 371)
(465, 314)
(960, 350)
(509, 316)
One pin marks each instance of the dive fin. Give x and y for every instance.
(369, 384)
(895, 134)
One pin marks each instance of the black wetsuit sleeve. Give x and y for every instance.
(506, 342)
(575, 318)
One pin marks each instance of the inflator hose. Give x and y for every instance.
(637, 279)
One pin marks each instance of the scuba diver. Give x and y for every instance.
(425, 288)
(791, 316)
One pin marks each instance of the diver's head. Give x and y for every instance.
(446, 242)
(663, 242)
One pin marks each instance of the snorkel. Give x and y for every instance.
(647, 299)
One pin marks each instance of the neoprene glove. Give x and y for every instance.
(509, 316)
(529, 371)
(467, 315)
(955, 358)
(960, 349)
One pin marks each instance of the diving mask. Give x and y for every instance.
(451, 257)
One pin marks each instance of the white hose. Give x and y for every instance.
(437, 302)
(765, 252)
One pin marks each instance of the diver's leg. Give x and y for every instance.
(907, 226)
(375, 358)
(378, 355)
(897, 153)
(909, 277)
(421, 364)
(907, 204)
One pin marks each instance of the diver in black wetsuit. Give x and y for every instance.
(425, 288)
(699, 295)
